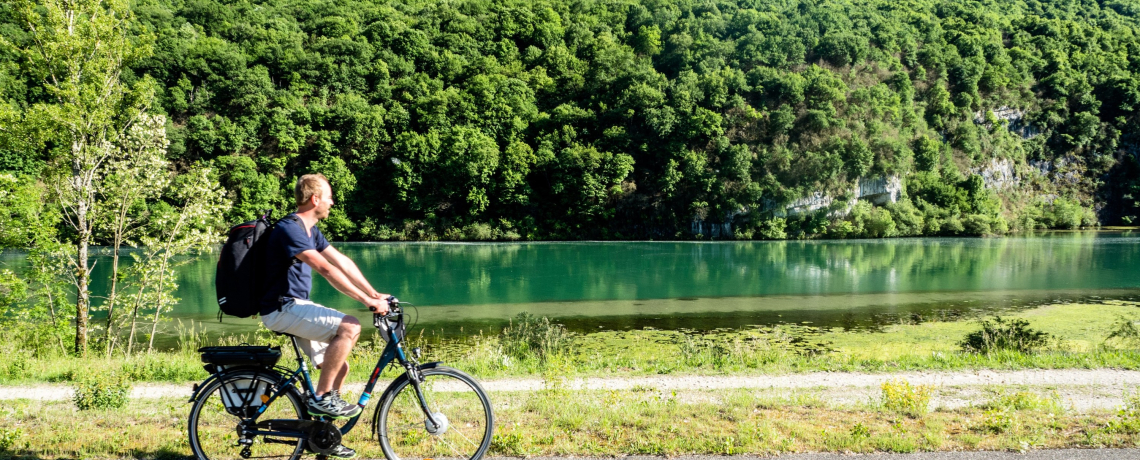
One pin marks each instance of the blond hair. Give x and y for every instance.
(307, 186)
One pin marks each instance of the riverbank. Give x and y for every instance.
(1077, 340)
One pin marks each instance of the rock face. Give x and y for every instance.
(878, 190)
(807, 204)
(999, 175)
(721, 229)
(1014, 117)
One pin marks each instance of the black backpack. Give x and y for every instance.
(240, 279)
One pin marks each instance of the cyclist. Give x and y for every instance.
(296, 248)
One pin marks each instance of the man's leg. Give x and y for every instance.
(334, 369)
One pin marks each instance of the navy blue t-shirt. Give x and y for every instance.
(287, 240)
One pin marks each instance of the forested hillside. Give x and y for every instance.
(507, 119)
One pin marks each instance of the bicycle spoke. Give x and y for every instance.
(214, 429)
(466, 411)
(465, 438)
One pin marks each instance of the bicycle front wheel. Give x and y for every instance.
(461, 422)
(215, 419)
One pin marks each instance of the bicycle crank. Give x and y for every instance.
(321, 437)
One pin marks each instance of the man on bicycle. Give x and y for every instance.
(296, 248)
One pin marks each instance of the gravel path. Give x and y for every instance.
(1047, 454)
(1077, 389)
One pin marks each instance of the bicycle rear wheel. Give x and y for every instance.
(456, 401)
(213, 429)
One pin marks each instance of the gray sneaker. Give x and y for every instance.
(332, 406)
(342, 452)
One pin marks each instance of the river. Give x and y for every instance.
(705, 285)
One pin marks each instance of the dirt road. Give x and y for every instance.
(1078, 390)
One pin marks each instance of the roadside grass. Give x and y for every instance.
(540, 348)
(642, 421)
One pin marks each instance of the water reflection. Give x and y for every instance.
(621, 283)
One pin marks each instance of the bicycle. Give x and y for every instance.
(428, 412)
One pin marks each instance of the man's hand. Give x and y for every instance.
(376, 305)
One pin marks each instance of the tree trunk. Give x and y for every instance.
(83, 297)
(111, 299)
(81, 185)
(134, 317)
(161, 297)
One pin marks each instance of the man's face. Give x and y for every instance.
(325, 202)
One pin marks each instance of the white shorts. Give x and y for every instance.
(313, 325)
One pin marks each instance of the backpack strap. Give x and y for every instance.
(292, 260)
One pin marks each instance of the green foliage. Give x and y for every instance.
(26, 218)
(102, 391)
(773, 229)
(252, 192)
(9, 438)
(529, 336)
(152, 367)
(1023, 400)
(999, 334)
(1124, 333)
(1127, 417)
(622, 119)
(902, 397)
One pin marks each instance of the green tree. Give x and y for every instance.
(78, 48)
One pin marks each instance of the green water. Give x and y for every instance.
(702, 285)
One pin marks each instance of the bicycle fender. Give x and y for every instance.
(199, 386)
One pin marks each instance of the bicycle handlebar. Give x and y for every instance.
(394, 311)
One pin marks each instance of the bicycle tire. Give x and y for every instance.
(402, 428)
(212, 428)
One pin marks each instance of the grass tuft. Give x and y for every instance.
(102, 392)
(902, 397)
(528, 335)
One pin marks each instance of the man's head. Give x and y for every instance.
(314, 192)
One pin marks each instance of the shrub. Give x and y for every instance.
(1023, 400)
(1001, 334)
(908, 218)
(102, 392)
(510, 444)
(773, 229)
(18, 366)
(163, 368)
(879, 224)
(841, 229)
(1123, 333)
(977, 224)
(902, 397)
(1128, 417)
(999, 420)
(9, 437)
(528, 335)
(478, 232)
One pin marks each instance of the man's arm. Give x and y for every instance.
(340, 281)
(350, 270)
